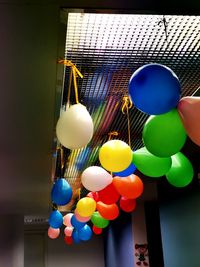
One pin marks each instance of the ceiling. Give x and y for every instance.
(107, 49)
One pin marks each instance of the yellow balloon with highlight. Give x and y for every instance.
(115, 155)
(86, 206)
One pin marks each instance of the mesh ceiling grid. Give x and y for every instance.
(107, 49)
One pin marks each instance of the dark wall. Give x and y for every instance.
(118, 243)
(180, 220)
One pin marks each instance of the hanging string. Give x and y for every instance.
(165, 24)
(111, 134)
(127, 104)
(79, 193)
(62, 161)
(74, 72)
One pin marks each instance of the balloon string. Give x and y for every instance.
(74, 72)
(69, 87)
(62, 158)
(111, 134)
(127, 104)
(79, 193)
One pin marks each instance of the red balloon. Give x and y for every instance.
(97, 230)
(108, 212)
(109, 194)
(129, 187)
(127, 205)
(93, 195)
(68, 240)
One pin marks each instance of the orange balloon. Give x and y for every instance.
(189, 111)
(129, 187)
(108, 212)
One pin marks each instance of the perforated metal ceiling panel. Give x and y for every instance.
(108, 48)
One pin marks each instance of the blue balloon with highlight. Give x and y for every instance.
(154, 89)
(130, 170)
(76, 224)
(61, 192)
(55, 219)
(85, 233)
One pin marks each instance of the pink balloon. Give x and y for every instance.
(80, 218)
(53, 233)
(67, 219)
(68, 231)
(189, 111)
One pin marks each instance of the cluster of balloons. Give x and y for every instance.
(155, 90)
(61, 195)
(106, 197)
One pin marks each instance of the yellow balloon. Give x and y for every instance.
(115, 155)
(86, 206)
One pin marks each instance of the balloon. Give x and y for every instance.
(53, 233)
(130, 187)
(76, 224)
(97, 230)
(189, 111)
(127, 205)
(55, 219)
(75, 236)
(154, 89)
(85, 233)
(74, 128)
(95, 178)
(94, 195)
(67, 219)
(115, 155)
(68, 231)
(68, 240)
(164, 135)
(109, 194)
(98, 220)
(61, 192)
(181, 172)
(150, 164)
(130, 170)
(80, 218)
(86, 206)
(108, 212)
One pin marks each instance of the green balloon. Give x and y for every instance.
(150, 164)
(164, 135)
(98, 220)
(181, 172)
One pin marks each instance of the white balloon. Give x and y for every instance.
(95, 178)
(75, 127)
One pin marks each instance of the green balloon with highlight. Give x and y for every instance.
(98, 220)
(164, 135)
(149, 164)
(181, 172)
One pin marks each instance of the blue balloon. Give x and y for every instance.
(130, 170)
(85, 233)
(61, 192)
(75, 236)
(76, 224)
(154, 89)
(55, 219)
